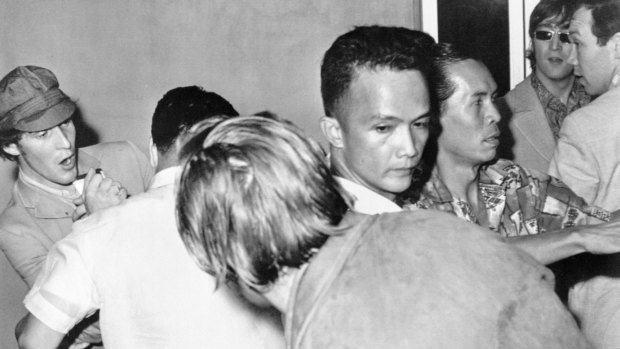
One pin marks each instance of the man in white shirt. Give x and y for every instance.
(378, 109)
(130, 263)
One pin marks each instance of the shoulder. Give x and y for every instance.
(101, 149)
(15, 218)
(149, 205)
(521, 94)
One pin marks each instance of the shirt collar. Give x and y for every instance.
(68, 194)
(165, 177)
(367, 201)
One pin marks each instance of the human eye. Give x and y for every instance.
(66, 123)
(383, 128)
(422, 123)
(40, 134)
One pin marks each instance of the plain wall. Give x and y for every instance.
(116, 58)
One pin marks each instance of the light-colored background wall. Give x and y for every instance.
(116, 58)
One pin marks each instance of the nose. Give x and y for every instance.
(493, 114)
(572, 57)
(61, 137)
(555, 42)
(408, 147)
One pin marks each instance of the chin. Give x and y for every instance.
(397, 188)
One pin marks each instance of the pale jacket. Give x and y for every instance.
(530, 141)
(35, 219)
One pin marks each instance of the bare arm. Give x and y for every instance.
(31, 333)
(556, 245)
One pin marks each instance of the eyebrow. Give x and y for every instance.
(383, 117)
(429, 113)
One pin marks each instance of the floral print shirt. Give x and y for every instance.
(517, 202)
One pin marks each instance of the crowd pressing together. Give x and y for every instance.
(440, 217)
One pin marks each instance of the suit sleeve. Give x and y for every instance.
(25, 253)
(573, 162)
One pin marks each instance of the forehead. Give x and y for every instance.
(385, 91)
(581, 21)
(471, 77)
(552, 22)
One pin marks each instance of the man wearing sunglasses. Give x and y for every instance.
(535, 109)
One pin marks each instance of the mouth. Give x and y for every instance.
(493, 139)
(555, 60)
(68, 162)
(403, 171)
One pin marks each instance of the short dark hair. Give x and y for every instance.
(445, 55)
(182, 107)
(605, 17)
(371, 47)
(7, 138)
(545, 9)
(236, 220)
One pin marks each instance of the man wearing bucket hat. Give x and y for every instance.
(37, 132)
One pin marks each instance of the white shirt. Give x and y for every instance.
(367, 201)
(130, 262)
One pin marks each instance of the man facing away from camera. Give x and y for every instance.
(129, 262)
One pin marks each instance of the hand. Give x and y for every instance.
(99, 193)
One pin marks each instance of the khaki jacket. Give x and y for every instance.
(34, 220)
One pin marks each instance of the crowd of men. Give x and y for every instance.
(428, 223)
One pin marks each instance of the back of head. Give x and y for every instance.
(605, 17)
(255, 198)
(371, 47)
(181, 108)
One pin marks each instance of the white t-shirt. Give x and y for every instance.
(130, 262)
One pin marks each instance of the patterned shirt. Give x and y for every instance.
(554, 108)
(516, 201)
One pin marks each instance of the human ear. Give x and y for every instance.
(153, 158)
(615, 39)
(12, 149)
(332, 131)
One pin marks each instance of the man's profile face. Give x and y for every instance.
(384, 117)
(552, 55)
(593, 63)
(469, 134)
(49, 156)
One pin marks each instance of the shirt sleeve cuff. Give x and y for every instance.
(43, 310)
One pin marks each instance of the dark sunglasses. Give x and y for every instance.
(546, 35)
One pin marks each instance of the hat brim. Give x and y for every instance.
(48, 118)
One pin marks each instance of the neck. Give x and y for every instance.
(340, 168)
(460, 178)
(560, 88)
(165, 160)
